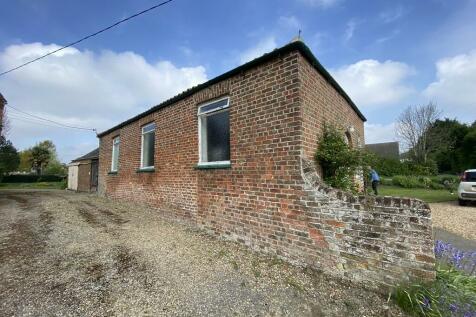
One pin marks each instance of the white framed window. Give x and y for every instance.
(115, 154)
(147, 146)
(214, 132)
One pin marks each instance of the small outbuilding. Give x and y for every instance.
(83, 172)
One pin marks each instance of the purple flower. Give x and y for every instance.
(426, 303)
(453, 308)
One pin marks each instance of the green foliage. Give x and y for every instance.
(25, 161)
(340, 163)
(9, 158)
(452, 290)
(31, 178)
(42, 158)
(448, 182)
(407, 181)
(56, 168)
(452, 145)
(392, 167)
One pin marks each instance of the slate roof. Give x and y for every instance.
(293, 46)
(94, 154)
(385, 149)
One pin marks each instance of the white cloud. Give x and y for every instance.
(85, 88)
(290, 22)
(350, 29)
(392, 15)
(321, 3)
(377, 133)
(454, 88)
(372, 83)
(262, 47)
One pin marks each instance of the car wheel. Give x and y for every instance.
(462, 202)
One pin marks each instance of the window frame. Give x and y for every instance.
(201, 142)
(142, 167)
(118, 138)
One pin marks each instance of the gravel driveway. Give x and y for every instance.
(68, 254)
(459, 220)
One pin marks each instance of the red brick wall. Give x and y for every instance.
(276, 113)
(321, 105)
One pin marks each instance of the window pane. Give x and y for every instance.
(115, 154)
(218, 137)
(218, 104)
(148, 149)
(148, 128)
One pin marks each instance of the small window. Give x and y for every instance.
(148, 146)
(115, 154)
(214, 132)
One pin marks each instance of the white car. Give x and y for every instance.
(467, 187)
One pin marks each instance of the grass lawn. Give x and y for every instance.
(428, 195)
(37, 185)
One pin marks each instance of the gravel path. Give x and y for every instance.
(67, 254)
(460, 220)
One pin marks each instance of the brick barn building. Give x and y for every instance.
(234, 156)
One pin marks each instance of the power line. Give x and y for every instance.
(87, 37)
(48, 120)
(36, 122)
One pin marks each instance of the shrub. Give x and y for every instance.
(340, 163)
(31, 178)
(407, 181)
(390, 167)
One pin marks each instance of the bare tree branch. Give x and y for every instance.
(412, 128)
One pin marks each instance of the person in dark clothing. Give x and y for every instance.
(375, 179)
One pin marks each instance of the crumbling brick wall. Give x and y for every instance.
(371, 239)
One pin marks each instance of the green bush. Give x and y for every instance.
(31, 178)
(407, 181)
(340, 163)
(449, 182)
(390, 167)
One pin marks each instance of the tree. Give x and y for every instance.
(25, 161)
(445, 143)
(41, 155)
(9, 158)
(5, 123)
(412, 127)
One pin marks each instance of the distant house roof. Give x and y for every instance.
(386, 149)
(94, 154)
(293, 46)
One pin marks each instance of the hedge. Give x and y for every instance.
(31, 178)
(434, 182)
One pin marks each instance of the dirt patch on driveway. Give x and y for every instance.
(72, 254)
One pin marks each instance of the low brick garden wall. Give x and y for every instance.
(375, 240)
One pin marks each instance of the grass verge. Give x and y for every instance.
(37, 185)
(427, 195)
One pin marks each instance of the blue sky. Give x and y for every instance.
(386, 54)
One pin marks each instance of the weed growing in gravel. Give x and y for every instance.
(234, 265)
(453, 293)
